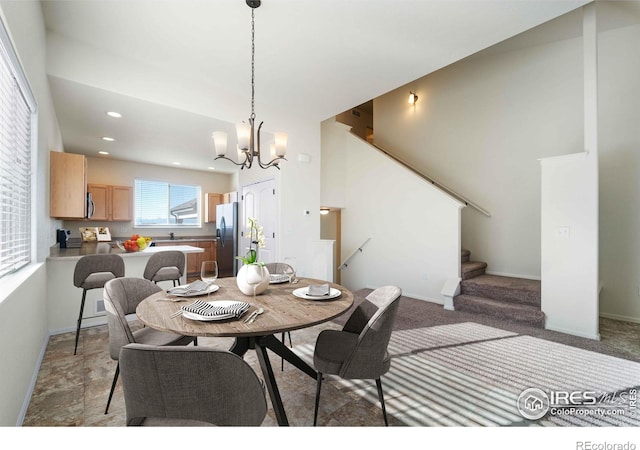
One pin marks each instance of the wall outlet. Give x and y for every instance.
(563, 232)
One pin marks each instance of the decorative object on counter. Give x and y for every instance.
(103, 234)
(95, 234)
(252, 268)
(247, 150)
(62, 236)
(89, 234)
(137, 243)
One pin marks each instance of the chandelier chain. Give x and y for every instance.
(253, 64)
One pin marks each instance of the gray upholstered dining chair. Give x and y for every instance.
(279, 268)
(92, 272)
(359, 350)
(121, 297)
(189, 386)
(165, 266)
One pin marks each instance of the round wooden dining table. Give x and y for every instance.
(283, 311)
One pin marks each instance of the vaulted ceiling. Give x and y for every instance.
(179, 69)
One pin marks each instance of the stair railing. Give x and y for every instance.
(426, 177)
(345, 264)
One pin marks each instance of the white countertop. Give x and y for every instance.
(92, 248)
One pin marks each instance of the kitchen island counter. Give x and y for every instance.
(93, 248)
(64, 298)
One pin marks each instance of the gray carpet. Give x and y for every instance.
(458, 369)
(468, 374)
(420, 314)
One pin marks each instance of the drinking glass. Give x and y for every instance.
(291, 269)
(209, 274)
(253, 277)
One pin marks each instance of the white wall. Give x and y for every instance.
(23, 299)
(619, 152)
(481, 124)
(414, 227)
(569, 250)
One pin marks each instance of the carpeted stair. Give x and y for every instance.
(507, 298)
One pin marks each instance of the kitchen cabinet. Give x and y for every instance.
(68, 190)
(194, 260)
(111, 203)
(230, 197)
(211, 201)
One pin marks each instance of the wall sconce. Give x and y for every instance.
(324, 211)
(413, 98)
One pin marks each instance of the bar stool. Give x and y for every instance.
(165, 266)
(92, 272)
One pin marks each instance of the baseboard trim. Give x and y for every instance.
(32, 383)
(595, 337)
(620, 317)
(415, 296)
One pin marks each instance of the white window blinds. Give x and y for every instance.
(16, 122)
(161, 204)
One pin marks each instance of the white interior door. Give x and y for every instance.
(259, 201)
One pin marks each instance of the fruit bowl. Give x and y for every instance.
(135, 244)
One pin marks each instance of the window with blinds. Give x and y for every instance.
(17, 118)
(161, 204)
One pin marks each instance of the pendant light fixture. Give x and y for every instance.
(248, 138)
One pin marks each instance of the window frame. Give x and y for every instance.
(28, 210)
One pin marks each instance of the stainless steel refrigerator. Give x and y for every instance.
(227, 239)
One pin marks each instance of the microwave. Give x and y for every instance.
(91, 207)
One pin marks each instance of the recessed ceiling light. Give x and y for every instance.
(211, 168)
(117, 115)
(103, 152)
(176, 163)
(108, 139)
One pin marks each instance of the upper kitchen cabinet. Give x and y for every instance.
(211, 201)
(68, 195)
(111, 203)
(230, 197)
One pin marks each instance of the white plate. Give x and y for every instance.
(223, 303)
(302, 293)
(211, 290)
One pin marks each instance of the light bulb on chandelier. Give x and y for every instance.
(248, 138)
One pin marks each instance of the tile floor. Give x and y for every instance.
(73, 390)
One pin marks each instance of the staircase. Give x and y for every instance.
(507, 298)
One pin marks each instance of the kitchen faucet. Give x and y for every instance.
(171, 236)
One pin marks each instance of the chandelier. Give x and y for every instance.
(248, 139)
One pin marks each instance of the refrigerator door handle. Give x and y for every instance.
(223, 226)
